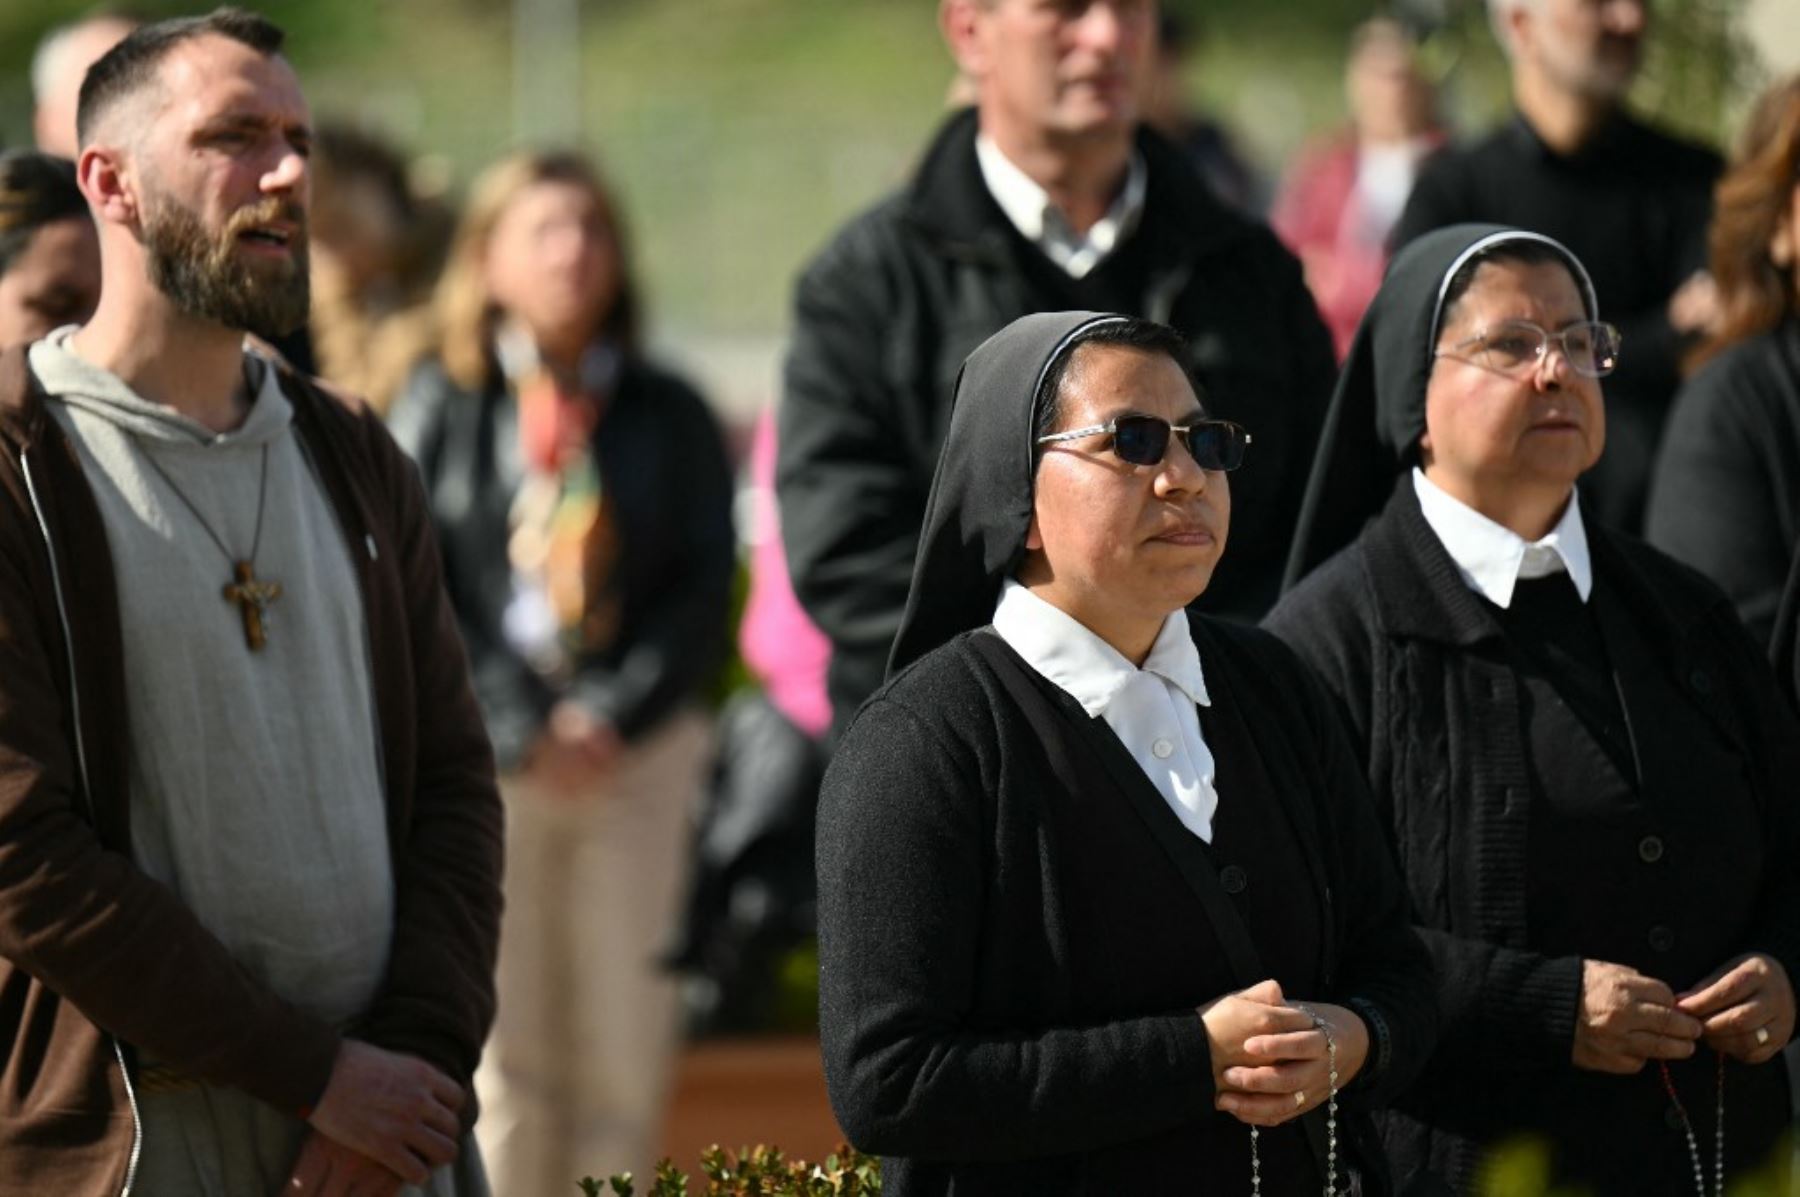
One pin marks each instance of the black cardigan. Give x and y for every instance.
(943, 932)
(665, 474)
(1415, 660)
(1726, 496)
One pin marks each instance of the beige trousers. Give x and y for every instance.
(576, 1074)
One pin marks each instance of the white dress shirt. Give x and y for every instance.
(1042, 223)
(1492, 558)
(1152, 710)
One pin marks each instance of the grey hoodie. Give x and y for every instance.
(256, 787)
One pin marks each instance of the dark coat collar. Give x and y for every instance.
(949, 203)
(1420, 593)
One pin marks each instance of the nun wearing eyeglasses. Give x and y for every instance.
(1103, 903)
(1588, 777)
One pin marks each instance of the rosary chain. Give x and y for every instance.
(1331, 1115)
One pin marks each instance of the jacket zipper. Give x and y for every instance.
(62, 613)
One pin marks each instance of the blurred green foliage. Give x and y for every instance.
(742, 132)
(1522, 1169)
(755, 1172)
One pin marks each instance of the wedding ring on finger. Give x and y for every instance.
(1300, 1099)
(1762, 1036)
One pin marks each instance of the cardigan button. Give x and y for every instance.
(1233, 879)
(1661, 938)
(1650, 849)
(1701, 681)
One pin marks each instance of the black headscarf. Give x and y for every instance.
(981, 496)
(1377, 413)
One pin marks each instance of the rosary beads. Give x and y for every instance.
(1331, 1119)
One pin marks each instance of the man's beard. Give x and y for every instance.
(207, 277)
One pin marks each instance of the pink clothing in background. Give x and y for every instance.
(1339, 233)
(781, 646)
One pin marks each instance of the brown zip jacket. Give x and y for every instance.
(97, 959)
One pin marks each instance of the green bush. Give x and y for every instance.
(756, 1172)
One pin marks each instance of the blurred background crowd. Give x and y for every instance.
(558, 242)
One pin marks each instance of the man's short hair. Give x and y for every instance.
(130, 66)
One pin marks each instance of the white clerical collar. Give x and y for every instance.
(1491, 557)
(1042, 223)
(1090, 670)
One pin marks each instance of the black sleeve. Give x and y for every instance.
(1314, 372)
(1774, 749)
(1498, 1008)
(851, 502)
(901, 886)
(682, 636)
(1713, 503)
(1383, 971)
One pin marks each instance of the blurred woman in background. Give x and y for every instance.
(49, 255)
(1340, 201)
(582, 497)
(1726, 494)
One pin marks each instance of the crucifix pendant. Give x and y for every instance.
(252, 597)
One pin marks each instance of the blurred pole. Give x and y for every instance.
(547, 95)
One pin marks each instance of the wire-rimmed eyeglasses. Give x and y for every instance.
(1591, 347)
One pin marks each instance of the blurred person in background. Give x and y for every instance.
(1591, 783)
(1339, 204)
(1632, 201)
(1210, 145)
(1048, 195)
(751, 895)
(377, 245)
(49, 253)
(583, 499)
(59, 64)
(1726, 496)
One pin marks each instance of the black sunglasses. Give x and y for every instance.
(1142, 440)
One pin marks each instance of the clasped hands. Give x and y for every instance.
(1627, 1019)
(385, 1120)
(575, 750)
(1270, 1062)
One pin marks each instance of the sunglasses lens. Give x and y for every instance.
(1140, 440)
(1217, 445)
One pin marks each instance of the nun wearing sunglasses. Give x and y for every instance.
(1586, 771)
(1104, 906)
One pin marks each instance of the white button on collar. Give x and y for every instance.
(1162, 749)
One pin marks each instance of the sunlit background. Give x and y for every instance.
(742, 132)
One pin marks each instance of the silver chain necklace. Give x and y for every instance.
(1331, 1116)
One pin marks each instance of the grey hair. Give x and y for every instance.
(1498, 12)
(46, 60)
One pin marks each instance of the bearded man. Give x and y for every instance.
(249, 834)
